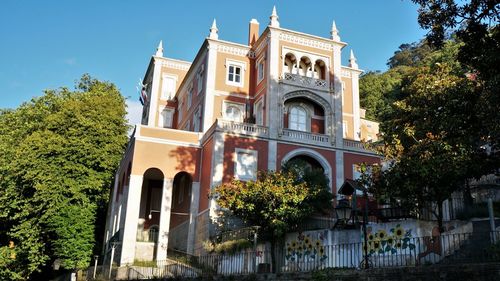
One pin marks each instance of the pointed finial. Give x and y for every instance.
(274, 18)
(159, 49)
(352, 60)
(214, 31)
(334, 32)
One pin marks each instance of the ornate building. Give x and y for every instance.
(235, 110)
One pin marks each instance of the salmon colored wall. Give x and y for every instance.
(351, 159)
(347, 106)
(232, 142)
(284, 149)
(206, 172)
(170, 159)
(350, 126)
(221, 70)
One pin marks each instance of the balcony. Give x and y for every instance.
(305, 137)
(242, 128)
(303, 81)
(358, 146)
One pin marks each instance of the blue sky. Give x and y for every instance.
(48, 44)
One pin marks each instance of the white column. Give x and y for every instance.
(155, 89)
(193, 212)
(273, 93)
(217, 169)
(131, 217)
(339, 168)
(272, 155)
(208, 114)
(355, 104)
(337, 93)
(166, 207)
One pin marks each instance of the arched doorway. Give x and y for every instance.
(150, 208)
(179, 215)
(311, 159)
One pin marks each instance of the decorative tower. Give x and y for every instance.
(214, 31)
(334, 32)
(159, 49)
(274, 18)
(352, 61)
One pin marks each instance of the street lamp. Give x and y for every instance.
(343, 210)
(96, 258)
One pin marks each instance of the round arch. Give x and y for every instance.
(313, 154)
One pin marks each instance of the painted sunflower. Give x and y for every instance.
(382, 234)
(399, 232)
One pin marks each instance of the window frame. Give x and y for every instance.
(307, 120)
(239, 106)
(260, 70)
(199, 79)
(237, 164)
(242, 66)
(164, 77)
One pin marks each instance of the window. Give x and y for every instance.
(233, 112)
(199, 79)
(196, 120)
(259, 113)
(235, 72)
(260, 71)
(246, 164)
(343, 92)
(298, 119)
(166, 117)
(179, 115)
(190, 97)
(344, 129)
(168, 87)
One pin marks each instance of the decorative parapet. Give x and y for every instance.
(303, 81)
(242, 128)
(303, 40)
(358, 146)
(306, 137)
(235, 50)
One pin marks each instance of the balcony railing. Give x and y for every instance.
(242, 128)
(293, 135)
(357, 145)
(304, 81)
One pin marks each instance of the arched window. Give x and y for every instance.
(233, 113)
(298, 119)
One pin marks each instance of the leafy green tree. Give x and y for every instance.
(58, 153)
(276, 201)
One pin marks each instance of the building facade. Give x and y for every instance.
(231, 112)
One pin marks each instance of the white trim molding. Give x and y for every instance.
(316, 156)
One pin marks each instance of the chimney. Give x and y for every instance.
(253, 32)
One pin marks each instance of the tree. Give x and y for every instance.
(58, 153)
(276, 201)
(476, 23)
(429, 138)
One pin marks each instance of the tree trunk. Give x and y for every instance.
(468, 201)
(273, 255)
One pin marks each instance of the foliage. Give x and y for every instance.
(274, 202)
(58, 153)
(228, 247)
(316, 181)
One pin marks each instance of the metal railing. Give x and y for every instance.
(149, 235)
(307, 256)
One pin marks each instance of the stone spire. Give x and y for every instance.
(274, 18)
(214, 31)
(159, 49)
(334, 32)
(352, 61)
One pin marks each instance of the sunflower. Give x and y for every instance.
(318, 243)
(390, 241)
(307, 240)
(398, 244)
(377, 245)
(399, 232)
(294, 245)
(371, 237)
(321, 251)
(382, 234)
